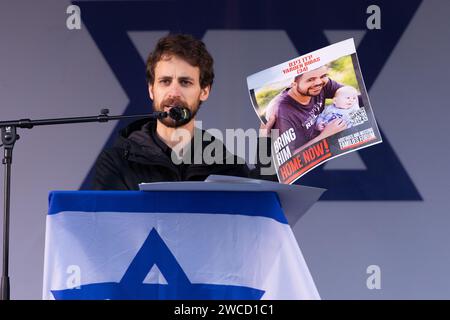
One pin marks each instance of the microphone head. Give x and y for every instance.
(181, 115)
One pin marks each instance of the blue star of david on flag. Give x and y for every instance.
(155, 252)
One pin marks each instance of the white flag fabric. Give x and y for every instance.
(172, 245)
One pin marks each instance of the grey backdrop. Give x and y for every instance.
(49, 71)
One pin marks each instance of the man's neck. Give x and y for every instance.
(300, 98)
(175, 137)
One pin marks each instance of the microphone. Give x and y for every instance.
(180, 114)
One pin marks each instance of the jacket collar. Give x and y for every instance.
(139, 140)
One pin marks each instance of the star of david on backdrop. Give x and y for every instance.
(305, 23)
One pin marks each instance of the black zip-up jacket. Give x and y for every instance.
(140, 156)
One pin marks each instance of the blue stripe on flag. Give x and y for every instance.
(263, 204)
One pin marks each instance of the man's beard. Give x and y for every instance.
(168, 121)
(308, 93)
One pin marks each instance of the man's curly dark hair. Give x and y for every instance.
(189, 49)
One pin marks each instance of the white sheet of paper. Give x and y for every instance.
(295, 199)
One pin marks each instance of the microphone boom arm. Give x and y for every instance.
(103, 117)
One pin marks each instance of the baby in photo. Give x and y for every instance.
(345, 103)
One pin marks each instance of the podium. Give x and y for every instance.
(170, 244)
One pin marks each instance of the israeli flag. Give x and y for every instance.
(172, 245)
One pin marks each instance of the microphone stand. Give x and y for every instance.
(9, 137)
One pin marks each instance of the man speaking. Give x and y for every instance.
(179, 75)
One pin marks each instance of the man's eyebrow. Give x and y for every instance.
(186, 78)
(321, 76)
(183, 78)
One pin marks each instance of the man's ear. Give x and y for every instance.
(204, 93)
(150, 93)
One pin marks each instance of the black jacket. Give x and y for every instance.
(140, 156)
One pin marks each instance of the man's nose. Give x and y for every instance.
(174, 90)
(318, 82)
